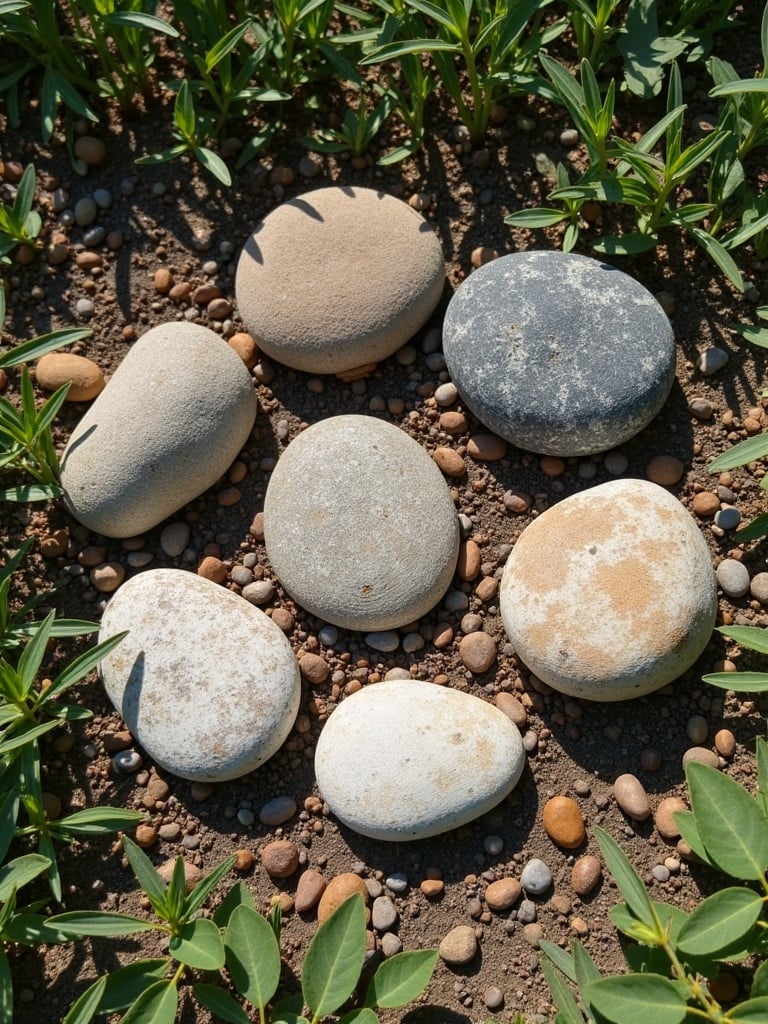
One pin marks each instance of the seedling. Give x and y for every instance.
(19, 223)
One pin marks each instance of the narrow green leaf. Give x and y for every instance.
(6, 988)
(221, 1003)
(201, 891)
(164, 157)
(753, 637)
(99, 922)
(539, 217)
(137, 19)
(394, 50)
(719, 255)
(127, 983)
(198, 944)
(639, 998)
(719, 921)
(732, 825)
(95, 821)
(25, 736)
(225, 46)
(252, 955)
(741, 682)
(47, 849)
(335, 958)
(627, 879)
(85, 1008)
(33, 654)
(762, 773)
(742, 87)
(753, 1010)
(9, 812)
(755, 528)
(156, 1005)
(32, 929)
(145, 873)
(587, 970)
(184, 112)
(20, 871)
(25, 193)
(213, 163)
(563, 961)
(81, 666)
(625, 245)
(30, 492)
(562, 996)
(751, 450)
(401, 978)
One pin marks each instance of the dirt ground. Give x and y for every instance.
(578, 748)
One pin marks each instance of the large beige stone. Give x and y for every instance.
(610, 594)
(338, 277)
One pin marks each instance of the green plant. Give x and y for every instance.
(497, 43)
(248, 944)
(295, 48)
(754, 638)
(592, 28)
(357, 131)
(19, 223)
(673, 953)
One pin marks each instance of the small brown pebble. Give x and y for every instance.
(283, 619)
(357, 373)
(517, 502)
(512, 708)
(245, 860)
(631, 797)
(664, 818)
(470, 559)
(52, 806)
(64, 743)
(493, 998)
(228, 497)
(55, 544)
(724, 987)
(219, 309)
(432, 888)
(281, 176)
(280, 858)
(339, 889)
(579, 927)
(483, 254)
(487, 588)
(533, 934)
(454, 422)
(697, 729)
(114, 240)
(107, 577)
(157, 789)
(310, 888)
(459, 946)
(192, 873)
(586, 874)
(665, 470)
(563, 822)
(702, 755)
(146, 836)
(245, 347)
(180, 292)
(201, 791)
(256, 528)
(114, 742)
(206, 293)
(725, 743)
(551, 465)
(705, 504)
(212, 569)
(89, 260)
(650, 759)
(3, 381)
(442, 635)
(503, 894)
(561, 904)
(486, 447)
(449, 461)
(90, 150)
(84, 376)
(478, 652)
(314, 669)
(163, 280)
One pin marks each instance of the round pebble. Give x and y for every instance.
(725, 743)
(369, 543)
(758, 587)
(536, 877)
(705, 504)
(459, 946)
(660, 873)
(90, 150)
(563, 822)
(733, 577)
(586, 875)
(702, 755)
(512, 708)
(503, 894)
(610, 594)
(697, 729)
(446, 394)
(664, 818)
(449, 461)
(383, 914)
(727, 518)
(259, 592)
(631, 797)
(127, 761)
(397, 882)
(478, 652)
(665, 470)
(83, 375)
(711, 360)
(314, 669)
(486, 447)
(595, 350)
(280, 858)
(86, 211)
(339, 889)
(385, 641)
(337, 278)
(277, 811)
(310, 888)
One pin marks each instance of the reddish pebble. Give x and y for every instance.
(219, 309)
(665, 470)
(551, 465)
(55, 544)
(280, 858)
(192, 873)
(470, 559)
(664, 818)
(107, 577)
(449, 461)
(309, 890)
(90, 150)
(245, 347)
(486, 447)
(442, 635)
(313, 668)
(725, 743)
(502, 894)
(705, 504)
(432, 888)
(338, 890)
(454, 422)
(512, 708)
(163, 280)
(228, 497)
(478, 652)
(586, 874)
(563, 822)
(212, 569)
(487, 588)
(145, 836)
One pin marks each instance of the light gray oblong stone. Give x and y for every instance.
(407, 760)
(206, 683)
(610, 593)
(168, 424)
(559, 353)
(337, 278)
(359, 524)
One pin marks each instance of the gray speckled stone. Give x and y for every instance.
(359, 524)
(610, 593)
(338, 277)
(165, 428)
(559, 353)
(407, 760)
(207, 684)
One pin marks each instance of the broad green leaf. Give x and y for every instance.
(156, 1005)
(198, 944)
(689, 831)
(239, 895)
(762, 773)
(625, 245)
(201, 891)
(362, 1015)
(540, 217)
(755, 335)
(212, 162)
(732, 825)
(32, 929)
(753, 637)
(252, 955)
(743, 682)
(137, 19)
(99, 922)
(760, 981)
(401, 978)
(20, 871)
(751, 450)
(96, 821)
(85, 1008)
(719, 255)
(127, 983)
(639, 998)
(221, 1003)
(719, 921)
(627, 879)
(753, 1010)
(335, 958)
(562, 995)
(755, 528)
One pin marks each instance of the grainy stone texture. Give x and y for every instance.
(359, 524)
(166, 427)
(559, 353)
(337, 278)
(405, 760)
(204, 681)
(610, 594)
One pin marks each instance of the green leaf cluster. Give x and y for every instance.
(673, 953)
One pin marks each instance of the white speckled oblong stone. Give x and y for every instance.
(359, 524)
(206, 683)
(338, 277)
(168, 424)
(405, 760)
(559, 353)
(610, 593)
